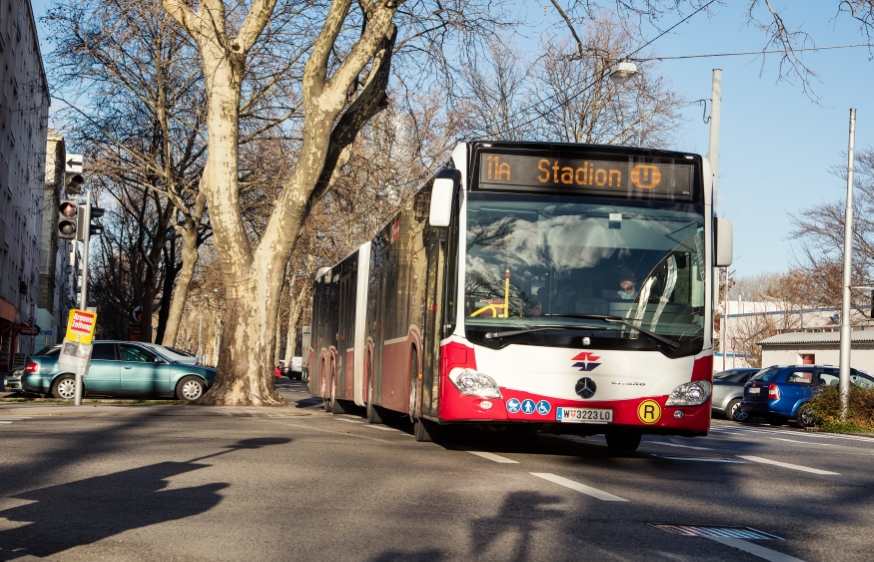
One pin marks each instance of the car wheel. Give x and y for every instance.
(804, 416)
(189, 388)
(64, 387)
(734, 413)
(623, 442)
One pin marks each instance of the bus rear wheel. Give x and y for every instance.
(623, 442)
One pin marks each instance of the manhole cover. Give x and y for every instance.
(722, 532)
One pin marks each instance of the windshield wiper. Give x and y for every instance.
(495, 335)
(619, 320)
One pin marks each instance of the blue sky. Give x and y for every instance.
(777, 147)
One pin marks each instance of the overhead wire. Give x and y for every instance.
(600, 78)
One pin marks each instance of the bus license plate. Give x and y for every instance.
(584, 415)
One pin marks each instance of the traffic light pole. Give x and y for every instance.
(86, 238)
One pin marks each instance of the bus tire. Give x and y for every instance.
(426, 431)
(375, 413)
(623, 442)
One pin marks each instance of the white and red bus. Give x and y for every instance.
(568, 287)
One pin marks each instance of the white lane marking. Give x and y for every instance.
(493, 457)
(804, 442)
(347, 421)
(676, 445)
(582, 488)
(5, 422)
(789, 466)
(756, 550)
(700, 459)
(742, 430)
(16, 418)
(380, 427)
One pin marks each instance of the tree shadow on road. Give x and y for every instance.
(89, 510)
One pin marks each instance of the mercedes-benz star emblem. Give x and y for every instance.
(585, 387)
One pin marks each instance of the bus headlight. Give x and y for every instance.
(474, 383)
(690, 394)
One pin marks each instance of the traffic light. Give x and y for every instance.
(68, 220)
(86, 214)
(73, 183)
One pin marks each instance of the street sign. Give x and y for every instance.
(74, 164)
(80, 327)
(30, 330)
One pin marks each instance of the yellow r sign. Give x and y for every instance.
(649, 411)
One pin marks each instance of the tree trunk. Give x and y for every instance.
(180, 293)
(170, 271)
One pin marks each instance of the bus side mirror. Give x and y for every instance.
(441, 197)
(724, 243)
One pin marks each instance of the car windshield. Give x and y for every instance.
(530, 256)
(51, 351)
(732, 376)
(179, 352)
(766, 375)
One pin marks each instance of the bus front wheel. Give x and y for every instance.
(623, 442)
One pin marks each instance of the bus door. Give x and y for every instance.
(345, 330)
(433, 321)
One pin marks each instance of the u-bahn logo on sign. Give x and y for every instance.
(586, 361)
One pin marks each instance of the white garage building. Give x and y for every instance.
(818, 348)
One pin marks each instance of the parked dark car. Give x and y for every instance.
(781, 393)
(728, 391)
(119, 368)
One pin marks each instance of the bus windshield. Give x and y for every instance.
(535, 259)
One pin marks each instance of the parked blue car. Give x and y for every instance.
(120, 369)
(781, 393)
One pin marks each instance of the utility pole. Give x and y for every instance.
(846, 335)
(85, 222)
(713, 157)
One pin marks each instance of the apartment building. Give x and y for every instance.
(24, 105)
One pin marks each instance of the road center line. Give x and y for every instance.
(756, 550)
(493, 457)
(582, 488)
(790, 466)
(804, 442)
(699, 459)
(676, 445)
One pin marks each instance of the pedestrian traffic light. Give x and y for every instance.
(68, 219)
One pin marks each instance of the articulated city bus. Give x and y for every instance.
(567, 287)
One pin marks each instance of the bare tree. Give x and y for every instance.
(343, 85)
(819, 235)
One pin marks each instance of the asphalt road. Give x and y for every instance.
(171, 483)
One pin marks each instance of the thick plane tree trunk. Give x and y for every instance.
(253, 276)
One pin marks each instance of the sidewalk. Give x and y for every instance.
(299, 404)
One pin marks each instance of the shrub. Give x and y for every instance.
(826, 407)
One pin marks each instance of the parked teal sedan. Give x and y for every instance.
(119, 368)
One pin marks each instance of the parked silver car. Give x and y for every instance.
(728, 391)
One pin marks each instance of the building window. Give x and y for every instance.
(807, 358)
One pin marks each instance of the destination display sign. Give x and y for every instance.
(630, 177)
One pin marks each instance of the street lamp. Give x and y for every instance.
(623, 71)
